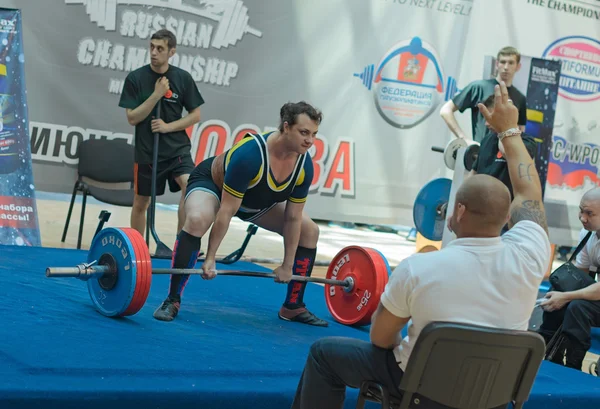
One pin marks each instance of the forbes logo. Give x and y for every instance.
(580, 72)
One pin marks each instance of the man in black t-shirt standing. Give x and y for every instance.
(508, 62)
(175, 89)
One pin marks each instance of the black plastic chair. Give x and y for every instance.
(463, 366)
(103, 161)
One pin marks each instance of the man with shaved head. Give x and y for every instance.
(479, 278)
(491, 159)
(488, 201)
(577, 311)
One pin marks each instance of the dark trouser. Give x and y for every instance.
(335, 363)
(166, 172)
(577, 319)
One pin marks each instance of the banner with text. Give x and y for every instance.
(537, 79)
(565, 31)
(542, 94)
(18, 214)
(379, 70)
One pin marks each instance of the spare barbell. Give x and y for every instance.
(431, 207)
(119, 272)
(233, 20)
(431, 204)
(451, 152)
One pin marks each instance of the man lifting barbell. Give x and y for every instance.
(251, 181)
(480, 278)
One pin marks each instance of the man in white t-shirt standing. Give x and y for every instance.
(577, 311)
(479, 278)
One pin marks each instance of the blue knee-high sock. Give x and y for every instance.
(185, 255)
(303, 265)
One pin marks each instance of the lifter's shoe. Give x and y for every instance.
(168, 310)
(301, 315)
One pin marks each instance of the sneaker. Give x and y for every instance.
(168, 310)
(301, 315)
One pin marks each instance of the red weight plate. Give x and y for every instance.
(139, 276)
(382, 271)
(137, 301)
(144, 271)
(370, 274)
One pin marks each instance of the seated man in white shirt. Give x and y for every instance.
(577, 311)
(479, 278)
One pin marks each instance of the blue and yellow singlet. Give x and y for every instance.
(248, 175)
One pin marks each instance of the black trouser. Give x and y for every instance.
(577, 319)
(335, 363)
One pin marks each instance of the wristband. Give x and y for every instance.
(509, 132)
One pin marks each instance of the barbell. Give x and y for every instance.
(119, 272)
(430, 208)
(451, 150)
(233, 18)
(431, 204)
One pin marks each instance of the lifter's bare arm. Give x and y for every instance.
(527, 203)
(447, 113)
(229, 207)
(137, 115)
(292, 225)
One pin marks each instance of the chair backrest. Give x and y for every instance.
(472, 367)
(107, 161)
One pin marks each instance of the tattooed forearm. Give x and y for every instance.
(524, 170)
(529, 210)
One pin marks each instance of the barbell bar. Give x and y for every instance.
(86, 270)
(118, 272)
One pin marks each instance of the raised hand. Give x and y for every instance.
(505, 114)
